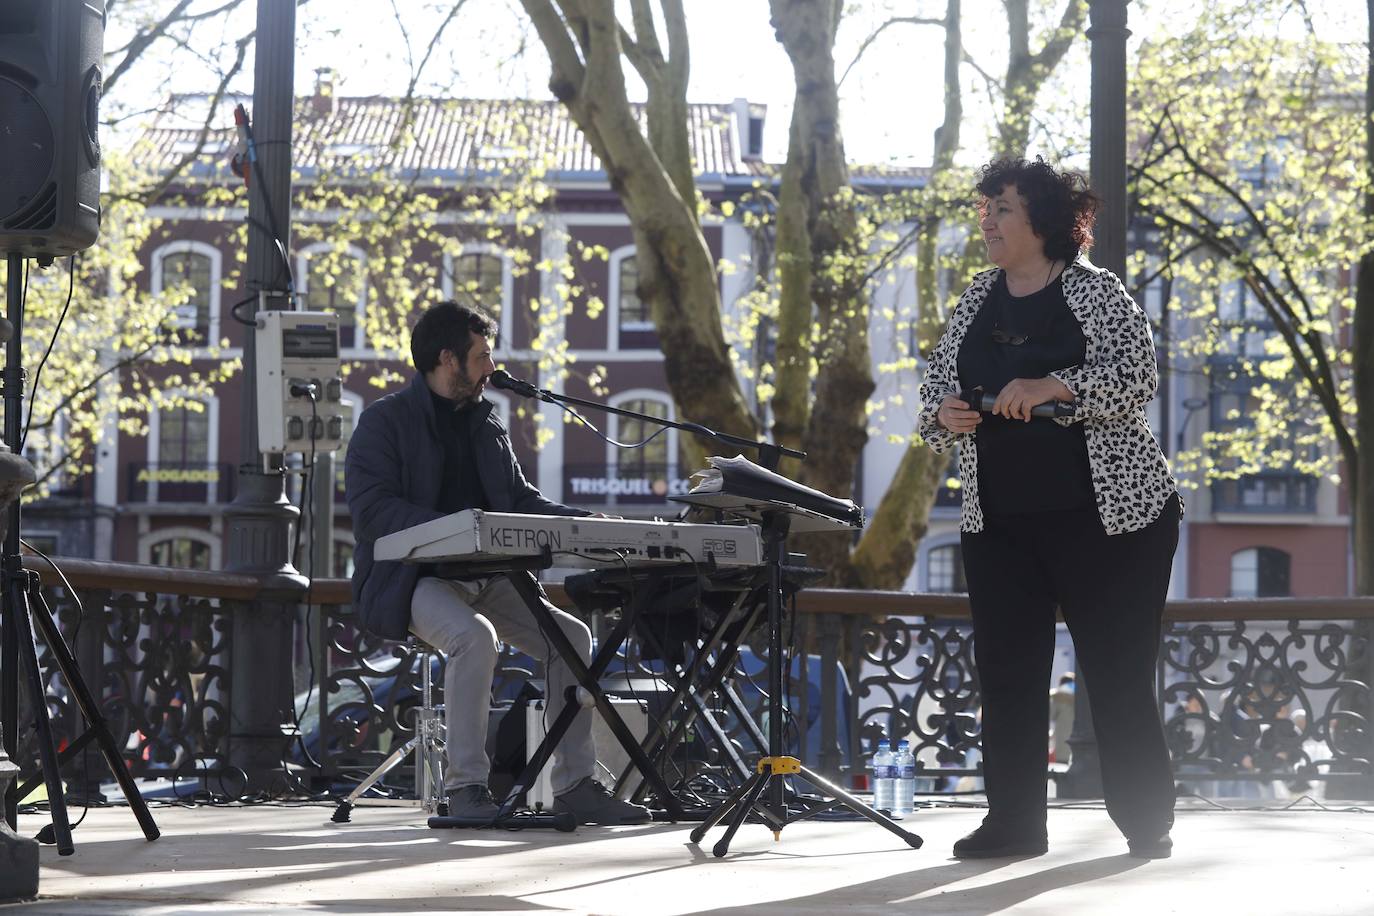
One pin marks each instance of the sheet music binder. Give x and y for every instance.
(742, 488)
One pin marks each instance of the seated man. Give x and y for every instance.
(435, 448)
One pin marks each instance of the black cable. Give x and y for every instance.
(605, 438)
(234, 310)
(273, 229)
(33, 392)
(308, 498)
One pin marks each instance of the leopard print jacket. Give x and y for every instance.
(1117, 379)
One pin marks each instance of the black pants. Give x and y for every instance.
(1111, 591)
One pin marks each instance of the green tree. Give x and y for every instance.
(1273, 217)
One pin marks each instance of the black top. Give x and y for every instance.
(1037, 466)
(461, 488)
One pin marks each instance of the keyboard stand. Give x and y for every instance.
(519, 571)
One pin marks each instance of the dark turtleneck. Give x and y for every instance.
(457, 424)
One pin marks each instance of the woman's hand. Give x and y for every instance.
(955, 416)
(1016, 399)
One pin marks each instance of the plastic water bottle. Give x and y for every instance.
(884, 777)
(905, 802)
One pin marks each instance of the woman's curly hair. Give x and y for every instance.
(1059, 205)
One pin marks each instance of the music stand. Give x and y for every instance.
(742, 489)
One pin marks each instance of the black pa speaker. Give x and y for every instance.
(49, 106)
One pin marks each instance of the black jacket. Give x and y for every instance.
(392, 477)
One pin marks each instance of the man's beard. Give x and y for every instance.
(463, 391)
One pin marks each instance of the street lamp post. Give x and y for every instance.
(1107, 33)
(260, 517)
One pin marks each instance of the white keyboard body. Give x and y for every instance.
(474, 535)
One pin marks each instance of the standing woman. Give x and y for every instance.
(1078, 512)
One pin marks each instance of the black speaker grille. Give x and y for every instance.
(39, 215)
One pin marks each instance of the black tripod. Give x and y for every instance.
(22, 607)
(774, 769)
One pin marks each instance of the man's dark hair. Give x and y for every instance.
(1059, 205)
(447, 326)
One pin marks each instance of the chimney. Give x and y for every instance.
(322, 102)
(749, 129)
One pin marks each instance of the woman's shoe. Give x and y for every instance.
(996, 841)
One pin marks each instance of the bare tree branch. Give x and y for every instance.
(141, 40)
(568, 68)
(873, 36)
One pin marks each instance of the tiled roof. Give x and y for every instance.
(454, 137)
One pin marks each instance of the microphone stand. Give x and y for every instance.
(772, 770)
(769, 453)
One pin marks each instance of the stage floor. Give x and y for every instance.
(277, 859)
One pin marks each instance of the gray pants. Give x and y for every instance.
(465, 621)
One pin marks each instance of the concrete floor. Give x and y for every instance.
(276, 859)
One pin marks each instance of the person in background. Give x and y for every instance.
(1079, 512)
(1061, 718)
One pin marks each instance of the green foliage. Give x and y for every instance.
(1251, 168)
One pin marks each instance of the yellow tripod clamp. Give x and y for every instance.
(780, 766)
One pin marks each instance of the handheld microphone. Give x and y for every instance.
(978, 399)
(506, 382)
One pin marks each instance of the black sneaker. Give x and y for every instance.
(474, 801)
(997, 841)
(1160, 847)
(592, 803)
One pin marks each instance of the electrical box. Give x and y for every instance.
(300, 391)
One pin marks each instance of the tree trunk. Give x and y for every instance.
(887, 550)
(1027, 72)
(677, 277)
(823, 319)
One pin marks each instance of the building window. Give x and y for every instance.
(350, 407)
(631, 325)
(651, 460)
(634, 312)
(945, 569)
(191, 271)
(1260, 572)
(183, 436)
(478, 279)
(181, 553)
(343, 559)
(337, 282)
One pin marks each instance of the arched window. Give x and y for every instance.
(477, 281)
(945, 569)
(181, 553)
(336, 281)
(1260, 572)
(195, 268)
(647, 474)
(183, 447)
(651, 458)
(632, 327)
(481, 276)
(182, 548)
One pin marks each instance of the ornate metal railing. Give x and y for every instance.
(1255, 693)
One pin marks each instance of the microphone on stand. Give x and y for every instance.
(980, 400)
(507, 382)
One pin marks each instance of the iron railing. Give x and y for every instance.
(1254, 692)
